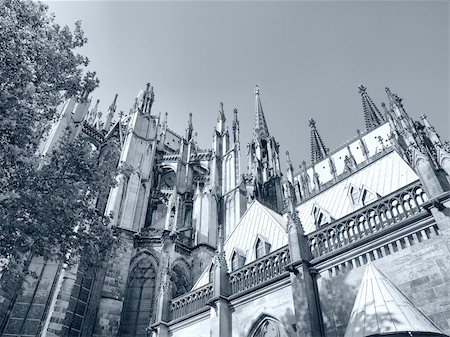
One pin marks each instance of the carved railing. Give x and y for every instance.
(93, 133)
(191, 301)
(260, 271)
(373, 218)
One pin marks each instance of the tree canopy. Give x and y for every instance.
(45, 203)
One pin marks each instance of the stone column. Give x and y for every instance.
(161, 327)
(220, 313)
(308, 315)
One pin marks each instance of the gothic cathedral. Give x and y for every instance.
(355, 243)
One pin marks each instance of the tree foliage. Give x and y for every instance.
(46, 206)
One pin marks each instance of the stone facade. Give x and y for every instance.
(209, 250)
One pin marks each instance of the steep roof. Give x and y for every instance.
(318, 149)
(257, 221)
(260, 129)
(383, 177)
(381, 308)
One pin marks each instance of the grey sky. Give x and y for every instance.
(307, 57)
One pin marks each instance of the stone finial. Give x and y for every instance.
(362, 89)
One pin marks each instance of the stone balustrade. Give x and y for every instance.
(260, 271)
(191, 301)
(373, 218)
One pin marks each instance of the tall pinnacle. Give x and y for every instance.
(372, 116)
(318, 149)
(260, 129)
(111, 111)
(148, 98)
(190, 128)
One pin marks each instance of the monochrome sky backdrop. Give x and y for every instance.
(307, 57)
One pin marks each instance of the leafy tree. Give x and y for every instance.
(45, 204)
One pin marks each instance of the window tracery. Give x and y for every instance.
(138, 304)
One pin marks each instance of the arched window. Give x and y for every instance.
(262, 248)
(32, 302)
(321, 217)
(367, 197)
(180, 283)
(354, 195)
(267, 326)
(138, 303)
(237, 260)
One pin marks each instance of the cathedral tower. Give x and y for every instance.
(264, 162)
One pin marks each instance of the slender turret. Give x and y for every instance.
(318, 149)
(372, 116)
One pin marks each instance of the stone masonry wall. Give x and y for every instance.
(275, 302)
(421, 272)
(112, 294)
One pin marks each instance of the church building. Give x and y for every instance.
(355, 243)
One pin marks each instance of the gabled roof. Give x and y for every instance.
(380, 308)
(257, 220)
(382, 177)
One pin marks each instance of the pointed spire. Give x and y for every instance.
(318, 149)
(380, 308)
(111, 111)
(190, 128)
(290, 168)
(148, 98)
(235, 119)
(372, 116)
(431, 131)
(91, 116)
(221, 113)
(220, 127)
(289, 162)
(235, 126)
(260, 128)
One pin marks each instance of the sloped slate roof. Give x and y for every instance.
(383, 177)
(381, 308)
(260, 221)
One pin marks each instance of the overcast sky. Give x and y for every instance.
(307, 57)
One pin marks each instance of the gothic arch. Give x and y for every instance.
(267, 325)
(141, 254)
(139, 297)
(180, 277)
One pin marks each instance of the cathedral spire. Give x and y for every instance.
(260, 128)
(318, 149)
(111, 111)
(372, 116)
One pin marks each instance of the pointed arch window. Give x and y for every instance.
(368, 196)
(32, 302)
(321, 216)
(180, 282)
(237, 260)
(262, 248)
(138, 302)
(267, 326)
(361, 196)
(354, 194)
